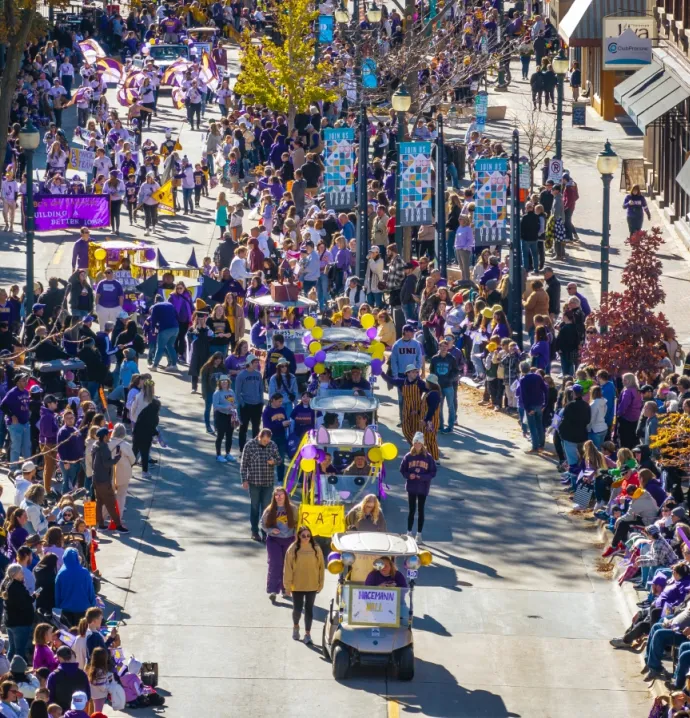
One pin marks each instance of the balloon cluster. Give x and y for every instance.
(335, 563)
(311, 339)
(309, 456)
(385, 452)
(376, 349)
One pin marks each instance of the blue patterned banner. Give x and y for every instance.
(339, 178)
(415, 184)
(491, 201)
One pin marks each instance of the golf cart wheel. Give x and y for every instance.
(406, 664)
(341, 663)
(324, 646)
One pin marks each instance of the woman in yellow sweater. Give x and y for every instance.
(303, 578)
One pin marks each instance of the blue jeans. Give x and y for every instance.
(165, 344)
(597, 437)
(410, 311)
(208, 403)
(659, 640)
(450, 246)
(20, 441)
(260, 498)
(188, 199)
(322, 291)
(69, 475)
(567, 366)
(529, 249)
(536, 427)
(307, 286)
(375, 299)
(453, 173)
(572, 455)
(19, 640)
(682, 667)
(448, 395)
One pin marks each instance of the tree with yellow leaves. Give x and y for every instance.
(283, 76)
(672, 440)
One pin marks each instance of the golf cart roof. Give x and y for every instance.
(114, 244)
(352, 358)
(343, 437)
(266, 301)
(373, 543)
(345, 404)
(348, 335)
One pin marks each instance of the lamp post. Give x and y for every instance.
(362, 195)
(374, 13)
(29, 139)
(515, 300)
(401, 102)
(607, 164)
(441, 201)
(560, 67)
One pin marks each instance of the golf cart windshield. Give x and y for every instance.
(168, 52)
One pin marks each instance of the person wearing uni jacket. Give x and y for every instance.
(15, 407)
(418, 469)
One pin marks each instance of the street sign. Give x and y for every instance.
(525, 174)
(481, 108)
(556, 170)
(580, 114)
(326, 28)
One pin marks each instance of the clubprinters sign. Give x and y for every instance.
(627, 42)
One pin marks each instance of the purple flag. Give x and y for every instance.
(69, 211)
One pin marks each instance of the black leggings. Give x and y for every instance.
(249, 412)
(181, 341)
(307, 599)
(142, 445)
(224, 428)
(131, 209)
(194, 109)
(146, 116)
(115, 207)
(414, 501)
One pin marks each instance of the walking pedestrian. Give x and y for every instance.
(103, 464)
(303, 578)
(224, 417)
(278, 522)
(418, 468)
(250, 398)
(635, 206)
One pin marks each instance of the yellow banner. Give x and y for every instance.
(165, 198)
(322, 520)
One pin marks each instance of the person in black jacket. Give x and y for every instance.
(550, 80)
(45, 573)
(529, 235)
(573, 429)
(19, 611)
(545, 196)
(80, 294)
(103, 463)
(311, 171)
(53, 297)
(553, 289)
(539, 46)
(67, 679)
(568, 344)
(145, 428)
(537, 84)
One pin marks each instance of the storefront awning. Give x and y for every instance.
(650, 93)
(683, 177)
(581, 26)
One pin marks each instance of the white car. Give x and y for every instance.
(162, 55)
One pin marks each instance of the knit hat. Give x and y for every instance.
(680, 513)
(418, 438)
(200, 304)
(653, 530)
(660, 580)
(17, 664)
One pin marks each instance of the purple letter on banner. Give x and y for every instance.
(70, 211)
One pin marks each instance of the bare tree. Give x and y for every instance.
(537, 135)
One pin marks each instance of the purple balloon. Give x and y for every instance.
(309, 362)
(333, 556)
(371, 333)
(309, 452)
(320, 455)
(376, 367)
(150, 254)
(307, 339)
(320, 356)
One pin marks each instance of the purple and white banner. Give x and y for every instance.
(55, 211)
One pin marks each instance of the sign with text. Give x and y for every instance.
(374, 606)
(60, 211)
(491, 201)
(627, 41)
(556, 170)
(579, 114)
(415, 184)
(322, 520)
(81, 160)
(339, 177)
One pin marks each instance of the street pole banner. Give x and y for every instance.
(415, 184)
(481, 109)
(326, 28)
(55, 211)
(339, 178)
(491, 201)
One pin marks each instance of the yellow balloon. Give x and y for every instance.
(317, 332)
(307, 465)
(100, 253)
(378, 354)
(389, 451)
(336, 566)
(314, 347)
(425, 558)
(320, 368)
(375, 455)
(309, 323)
(368, 321)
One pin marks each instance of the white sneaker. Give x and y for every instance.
(220, 459)
(419, 538)
(410, 534)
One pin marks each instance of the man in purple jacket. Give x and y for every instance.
(80, 251)
(15, 407)
(532, 394)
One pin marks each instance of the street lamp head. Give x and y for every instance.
(374, 13)
(342, 16)
(607, 161)
(560, 63)
(29, 137)
(401, 99)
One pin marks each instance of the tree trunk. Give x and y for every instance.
(15, 52)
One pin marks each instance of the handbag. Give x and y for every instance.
(583, 495)
(149, 674)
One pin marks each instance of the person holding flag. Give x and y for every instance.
(148, 200)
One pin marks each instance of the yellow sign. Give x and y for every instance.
(165, 198)
(322, 520)
(90, 513)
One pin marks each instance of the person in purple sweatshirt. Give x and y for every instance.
(532, 394)
(387, 575)
(181, 299)
(418, 469)
(275, 418)
(70, 451)
(47, 438)
(80, 251)
(15, 407)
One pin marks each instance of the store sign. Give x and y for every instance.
(627, 42)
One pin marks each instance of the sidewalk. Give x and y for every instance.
(580, 149)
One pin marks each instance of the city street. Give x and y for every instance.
(511, 620)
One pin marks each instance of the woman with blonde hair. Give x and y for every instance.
(367, 515)
(234, 313)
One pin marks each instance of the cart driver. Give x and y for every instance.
(356, 382)
(387, 575)
(358, 467)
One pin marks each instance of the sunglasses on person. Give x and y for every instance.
(591, 331)
(305, 535)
